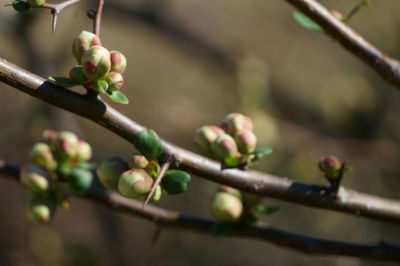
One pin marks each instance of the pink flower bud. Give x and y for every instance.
(118, 62)
(134, 183)
(226, 207)
(205, 136)
(35, 178)
(235, 122)
(224, 149)
(110, 170)
(66, 145)
(246, 141)
(82, 43)
(330, 165)
(49, 136)
(84, 152)
(138, 161)
(36, 3)
(41, 154)
(115, 80)
(96, 63)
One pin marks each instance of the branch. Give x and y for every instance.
(387, 67)
(347, 200)
(175, 220)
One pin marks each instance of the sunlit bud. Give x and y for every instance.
(67, 145)
(77, 74)
(35, 178)
(118, 62)
(134, 183)
(115, 80)
(96, 63)
(82, 43)
(205, 136)
(84, 151)
(41, 154)
(153, 169)
(330, 165)
(246, 141)
(110, 170)
(235, 122)
(40, 211)
(36, 3)
(138, 161)
(226, 207)
(224, 149)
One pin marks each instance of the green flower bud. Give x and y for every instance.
(77, 74)
(224, 149)
(118, 62)
(205, 136)
(157, 195)
(134, 183)
(82, 43)
(110, 170)
(35, 178)
(330, 165)
(41, 154)
(36, 3)
(96, 63)
(66, 145)
(235, 122)
(80, 180)
(84, 152)
(40, 211)
(246, 141)
(153, 169)
(115, 80)
(226, 207)
(138, 161)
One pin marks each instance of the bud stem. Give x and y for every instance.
(335, 183)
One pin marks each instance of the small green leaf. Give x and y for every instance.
(21, 6)
(80, 180)
(263, 151)
(101, 86)
(63, 81)
(153, 169)
(117, 96)
(175, 181)
(148, 143)
(265, 209)
(305, 21)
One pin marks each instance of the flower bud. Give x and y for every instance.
(138, 161)
(235, 122)
(35, 178)
(118, 62)
(77, 74)
(246, 141)
(84, 152)
(115, 80)
(40, 211)
(36, 3)
(49, 136)
(41, 154)
(226, 207)
(66, 145)
(230, 190)
(134, 183)
(224, 149)
(82, 43)
(157, 195)
(110, 170)
(96, 63)
(153, 169)
(80, 180)
(205, 136)
(330, 165)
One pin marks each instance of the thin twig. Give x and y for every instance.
(165, 218)
(387, 67)
(164, 169)
(347, 200)
(97, 20)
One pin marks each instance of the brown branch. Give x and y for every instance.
(387, 67)
(175, 220)
(347, 200)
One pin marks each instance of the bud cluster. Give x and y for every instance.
(232, 143)
(58, 166)
(330, 166)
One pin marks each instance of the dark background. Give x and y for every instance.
(189, 64)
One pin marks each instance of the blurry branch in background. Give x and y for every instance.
(171, 219)
(92, 108)
(387, 67)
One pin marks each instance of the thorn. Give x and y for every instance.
(160, 176)
(156, 236)
(54, 22)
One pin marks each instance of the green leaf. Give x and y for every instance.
(101, 86)
(80, 180)
(148, 143)
(263, 151)
(117, 96)
(305, 21)
(175, 181)
(21, 6)
(63, 81)
(153, 169)
(265, 209)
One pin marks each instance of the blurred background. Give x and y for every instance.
(190, 63)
